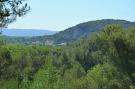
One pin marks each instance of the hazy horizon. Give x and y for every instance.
(60, 15)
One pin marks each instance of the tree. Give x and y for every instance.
(10, 10)
(5, 62)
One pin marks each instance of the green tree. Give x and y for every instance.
(5, 62)
(10, 10)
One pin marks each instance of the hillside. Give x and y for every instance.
(81, 30)
(84, 29)
(72, 33)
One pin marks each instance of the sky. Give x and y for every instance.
(58, 15)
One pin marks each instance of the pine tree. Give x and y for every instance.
(10, 10)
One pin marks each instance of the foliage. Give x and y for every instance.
(104, 60)
(10, 10)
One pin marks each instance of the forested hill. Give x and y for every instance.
(73, 33)
(87, 28)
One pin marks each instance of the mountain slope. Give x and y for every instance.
(85, 29)
(75, 32)
(27, 32)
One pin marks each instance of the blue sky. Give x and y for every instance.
(61, 14)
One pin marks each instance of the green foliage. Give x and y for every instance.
(107, 77)
(10, 10)
(102, 61)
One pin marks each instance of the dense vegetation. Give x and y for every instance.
(104, 60)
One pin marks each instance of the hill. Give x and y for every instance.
(73, 33)
(84, 29)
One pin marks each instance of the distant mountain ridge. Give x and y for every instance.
(27, 32)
